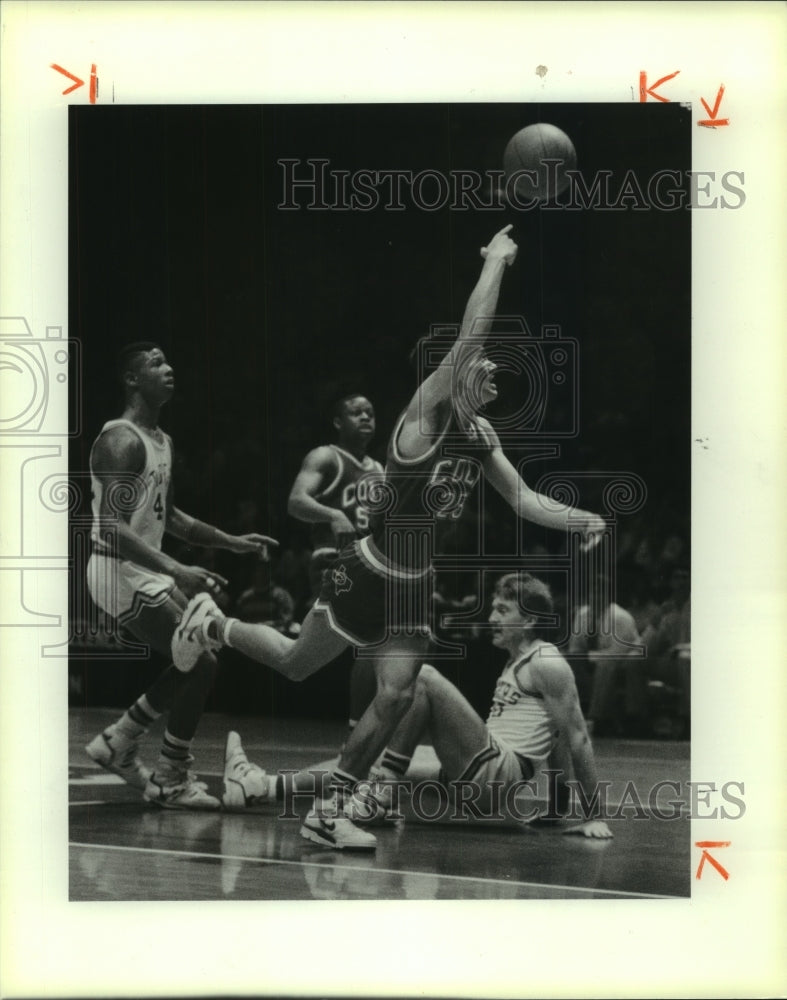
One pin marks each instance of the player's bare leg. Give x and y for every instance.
(184, 695)
(316, 646)
(397, 667)
(458, 733)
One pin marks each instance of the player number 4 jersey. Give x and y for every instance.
(146, 494)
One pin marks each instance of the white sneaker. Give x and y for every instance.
(118, 754)
(245, 784)
(373, 802)
(186, 793)
(336, 832)
(191, 638)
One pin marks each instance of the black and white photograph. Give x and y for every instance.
(393, 402)
(390, 487)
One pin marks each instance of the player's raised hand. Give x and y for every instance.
(595, 829)
(193, 580)
(258, 544)
(501, 246)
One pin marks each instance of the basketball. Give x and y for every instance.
(527, 151)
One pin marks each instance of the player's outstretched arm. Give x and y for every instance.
(536, 507)
(500, 253)
(189, 529)
(316, 473)
(554, 679)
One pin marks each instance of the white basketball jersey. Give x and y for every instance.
(517, 716)
(143, 499)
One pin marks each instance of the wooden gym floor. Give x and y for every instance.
(122, 848)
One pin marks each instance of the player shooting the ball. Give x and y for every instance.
(378, 593)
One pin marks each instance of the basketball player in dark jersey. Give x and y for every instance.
(378, 591)
(144, 589)
(325, 495)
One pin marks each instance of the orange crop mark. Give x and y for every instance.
(77, 81)
(704, 845)
(711, 121)
(644, 89)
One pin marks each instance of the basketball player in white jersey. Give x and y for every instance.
(144, 589)
(379, 589)
(324, 495)
(534, 717)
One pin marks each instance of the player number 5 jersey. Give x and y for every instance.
(342, 494)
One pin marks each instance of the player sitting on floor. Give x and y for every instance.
(535, 711)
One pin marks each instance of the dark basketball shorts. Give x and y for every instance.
(368, 599)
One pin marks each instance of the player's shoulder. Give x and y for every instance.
(548, 665)
(322, 457)
(119, 445)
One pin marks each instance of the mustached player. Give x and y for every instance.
(144, 589)
(534, 719)
(379, 590)
(325, 495)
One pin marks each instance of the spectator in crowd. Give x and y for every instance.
(606, 635)
(668, 637)
(267, 603)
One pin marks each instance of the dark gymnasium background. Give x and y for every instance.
(268, 315)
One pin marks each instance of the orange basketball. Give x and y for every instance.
(529, 150)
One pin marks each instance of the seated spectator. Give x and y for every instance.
(449, 598)
(606, 635)
(668, 638)
(267, 603)
(636, 589)
(671, 626)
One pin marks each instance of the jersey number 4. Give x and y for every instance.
(158, 506)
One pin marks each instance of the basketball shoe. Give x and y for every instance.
(118, 754)
(327, 826)
(374, 802)
(179, 790)
(191, 638)
(245, 784)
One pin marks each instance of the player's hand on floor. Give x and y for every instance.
(595, 829)
(193, 580)
(258, 544)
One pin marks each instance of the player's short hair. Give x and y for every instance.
(129, 355)
(339, 405)
(531, 594)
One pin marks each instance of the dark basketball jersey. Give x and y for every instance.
(419, 495)
(341, 494)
